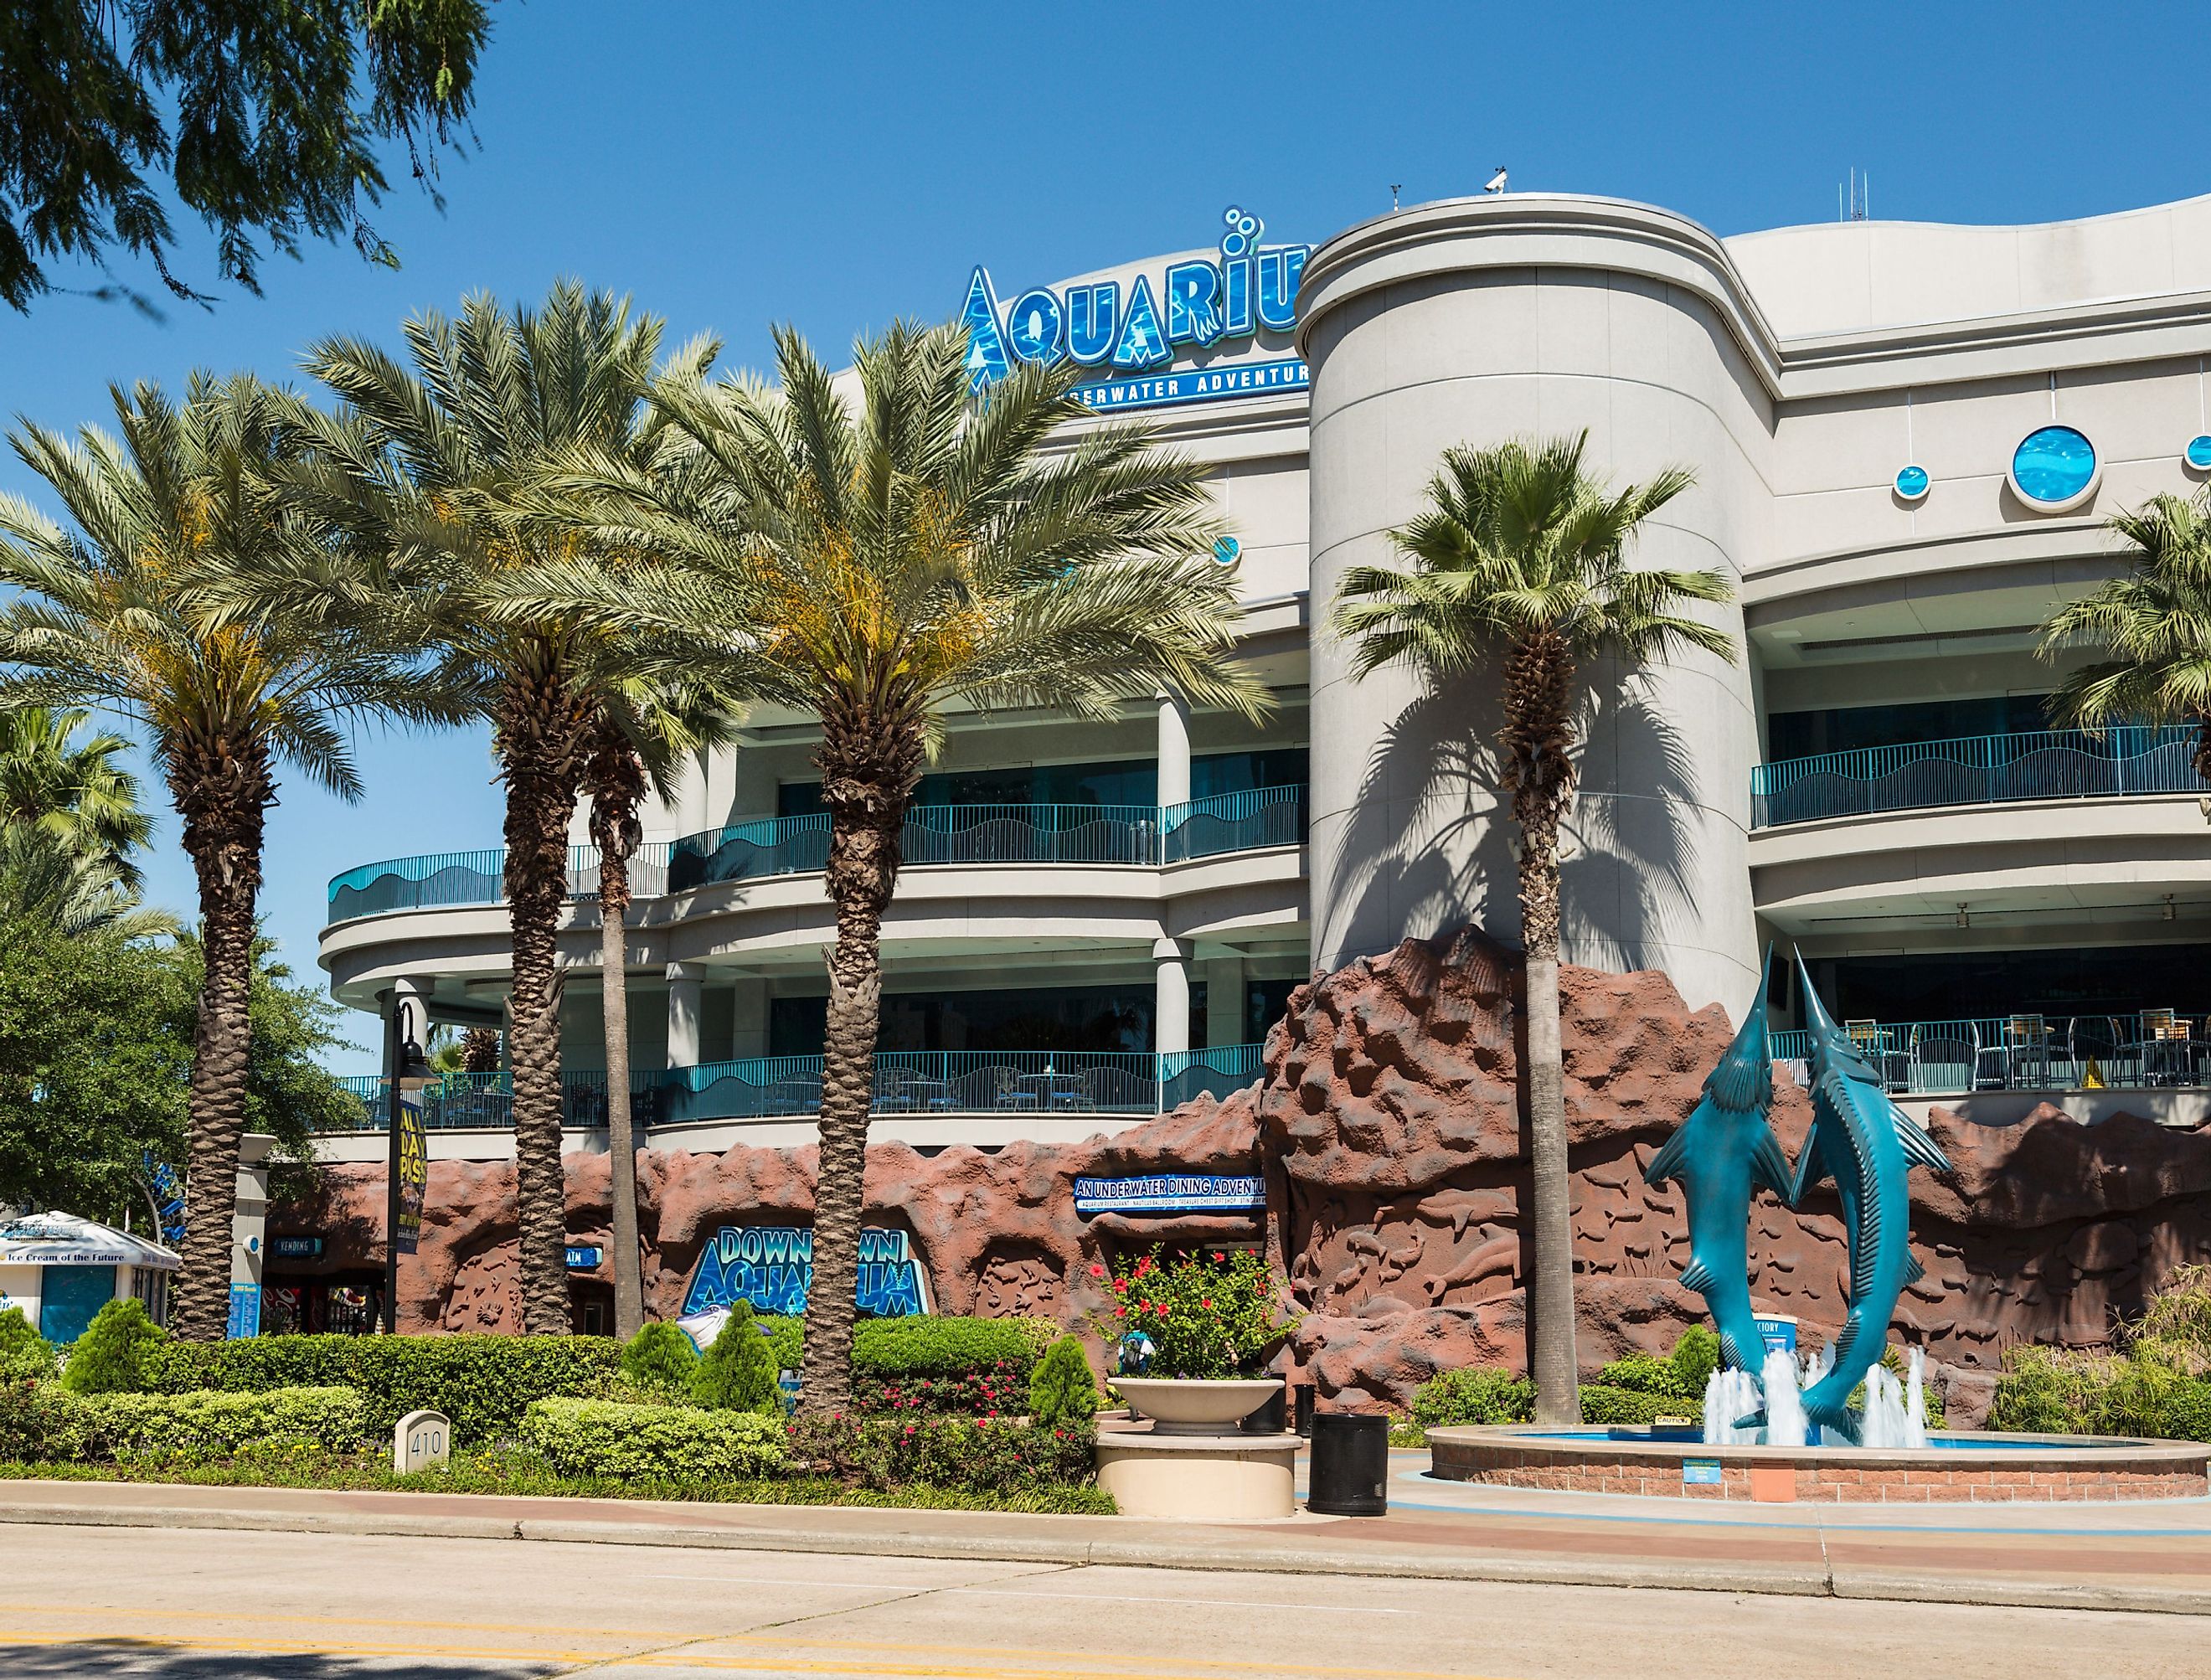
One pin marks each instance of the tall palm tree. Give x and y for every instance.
(119, 610)
(1518, 564)
(435, 469)
(72, 790)
(875, 558)
(42, 879)
(2153, 626)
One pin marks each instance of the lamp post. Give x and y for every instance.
(406, 1071)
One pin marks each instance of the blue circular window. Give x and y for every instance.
(2053, 469)
(2198, 452)
(1226, 550)
(1912, 484)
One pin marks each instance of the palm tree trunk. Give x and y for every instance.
(1538, 740)
(538, 738)
(869, 771)
(220, 794)
(616, 785)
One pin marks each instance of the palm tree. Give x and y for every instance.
(436, 471)
(120, 611)
(42, 880)
(1518, 562)
(2153, 625)
(876, 560)
(72, 791)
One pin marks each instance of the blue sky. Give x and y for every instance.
(733, 166)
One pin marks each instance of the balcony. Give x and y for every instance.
(1004, 1082)
(2157, 1050)
(1133, 835)
(1977, 770)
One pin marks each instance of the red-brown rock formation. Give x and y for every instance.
(1387, 1124)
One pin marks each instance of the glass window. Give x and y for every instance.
(1945, 985)
(1847, 728)
(1127, 781)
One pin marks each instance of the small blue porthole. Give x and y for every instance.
(2054, 468)
(1912, 484)
(2198, 452)
(1226, 550)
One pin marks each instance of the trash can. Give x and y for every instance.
(1270, 1418)
(1350, 1465)
(1304, 1408)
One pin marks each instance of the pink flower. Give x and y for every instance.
(1220, 1257)
(1120, 1312)
(1097, 1271)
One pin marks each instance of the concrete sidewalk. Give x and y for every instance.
(2145, 1555)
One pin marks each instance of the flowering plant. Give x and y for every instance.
(1209, 1314)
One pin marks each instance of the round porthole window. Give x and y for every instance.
(2054, 468)
(1912, 484)
(1226, 550)
(2198, 452)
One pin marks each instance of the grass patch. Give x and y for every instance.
(509, 1471)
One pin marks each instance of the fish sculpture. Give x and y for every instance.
(1722, 1153)
(1868, 1146)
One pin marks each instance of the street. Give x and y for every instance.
(205, 1605)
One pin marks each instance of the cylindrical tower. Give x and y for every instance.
(1470, 322)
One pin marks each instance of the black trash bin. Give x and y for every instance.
(1304, 1408)
(1350, 1465)
(1270, 1418)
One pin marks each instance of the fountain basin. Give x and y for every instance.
(1961, 1469)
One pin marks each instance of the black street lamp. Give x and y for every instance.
(407, 1071)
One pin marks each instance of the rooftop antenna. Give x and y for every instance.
(1496, 181)
(1854, 203)
(1394, 185)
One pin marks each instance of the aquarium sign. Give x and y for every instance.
(1171, 1192)
(1200, 304)
(772, 1266)
(581, 1257)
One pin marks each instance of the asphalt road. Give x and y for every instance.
(202, 1605)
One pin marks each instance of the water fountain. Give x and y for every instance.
(1771, 1431)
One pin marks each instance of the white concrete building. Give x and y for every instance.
(1907, 439)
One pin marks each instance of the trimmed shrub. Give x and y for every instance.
(738, 1373)
(483, 1383)
(23, 1351)
(660, 1359)
(678, 1443)
(2188, 1410)
(114, 1353)
(1696, 1356)
(923, 1363)
(41, 1422)
(1646, 1373)
(2052, 1391)
(1603, 1403)
(194, 1427)
(1061, 1391)
(1476, 1394)
(973, 1455)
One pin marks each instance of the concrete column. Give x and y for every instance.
(686, 982)
(748, 1019)
(1171, 1003)
(1224, 1000)
(1174, 751)
(248, 1222)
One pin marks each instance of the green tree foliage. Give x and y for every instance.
(112, 1355)
(738, 1372)
(23, 1351)
(1061, 1391)
(68, 785)
(264, 121)
(660, 1359)
(1696, 1356)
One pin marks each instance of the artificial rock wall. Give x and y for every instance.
(1387, 1127)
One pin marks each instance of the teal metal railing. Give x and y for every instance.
(2025, 1053)
(1982, 769)
(906, 1081)
(1245, 822)
(1131, 834)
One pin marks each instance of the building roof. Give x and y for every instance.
(64, 1239)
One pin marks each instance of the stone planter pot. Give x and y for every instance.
(1179, 1406)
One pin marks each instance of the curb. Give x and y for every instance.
(1219, 1555)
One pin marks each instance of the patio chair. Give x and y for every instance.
(1877, 1043)
(1943, 1059)
(2027, 1037)
(1991, 1063)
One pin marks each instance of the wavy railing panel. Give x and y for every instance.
(1245, 822)
(1975, 770)
(1187, 1075)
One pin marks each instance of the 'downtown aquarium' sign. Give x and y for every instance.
(1135, 335)
(772, 1266)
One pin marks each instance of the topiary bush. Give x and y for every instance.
(1061, 1391)
(41, 1422)
(1477, 1394)
(116, 1350)
(1605, 1404)
(193, 1428)
(1695, 1358)
(738, 1372)
(1646, 1373)
(483, 1383)
(674, 1443)
(23, 1351)
(660, 1359)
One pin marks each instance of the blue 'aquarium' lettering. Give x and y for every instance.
(772, 1266)
(1199, 305)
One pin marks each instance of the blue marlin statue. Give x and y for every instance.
(1720, 1155)
(1867, 1145)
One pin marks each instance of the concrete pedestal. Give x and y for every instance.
(1222, 1478)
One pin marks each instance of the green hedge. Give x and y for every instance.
(605, 1438)
(41, 1421)
(483, 1383)
(1602, 1403)
(997, 1457)
(926, 1345)
(1475, 1395)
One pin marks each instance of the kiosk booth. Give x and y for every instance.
(61, 1270)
